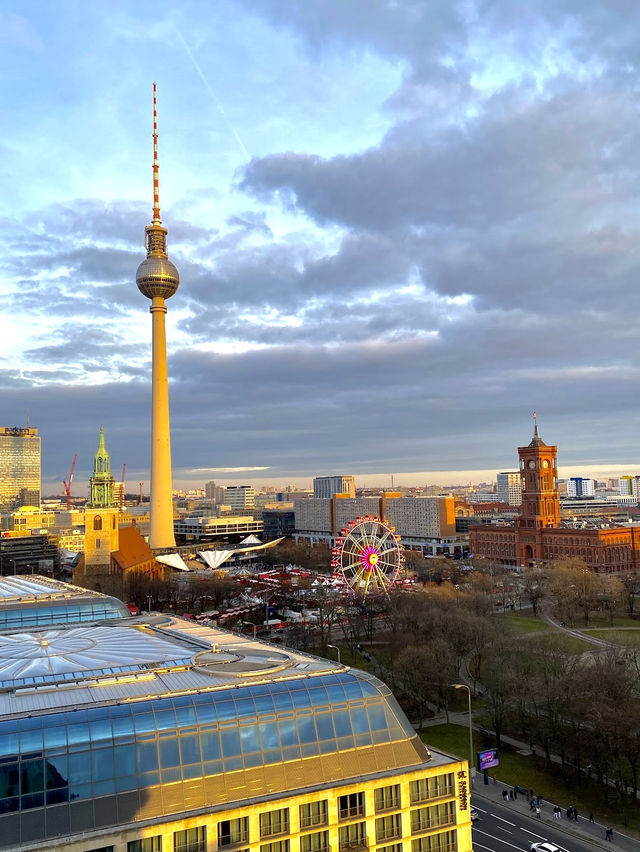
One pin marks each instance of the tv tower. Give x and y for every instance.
(158, 279)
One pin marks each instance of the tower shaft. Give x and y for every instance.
(161, 520)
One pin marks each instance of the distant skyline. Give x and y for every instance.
(400, 227)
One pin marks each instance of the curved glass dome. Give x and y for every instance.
(102, 751)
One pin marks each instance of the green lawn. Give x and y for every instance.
(519, 623)
(531, 773)
(628, 638)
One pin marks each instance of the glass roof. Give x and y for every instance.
(77, 653)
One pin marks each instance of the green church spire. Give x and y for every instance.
(102, 482)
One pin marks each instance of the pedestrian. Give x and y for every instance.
(505, 795)
(575, 815)
(538, 811)
(515, 794)
(510, 795)
(591, 819)
(532, 804)
(495, 780)
(556, 812)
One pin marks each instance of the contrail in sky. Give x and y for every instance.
(219, 106)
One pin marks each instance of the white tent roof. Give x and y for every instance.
(251, 539)
(215, 558)
(174, 560)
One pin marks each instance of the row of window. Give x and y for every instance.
(351, 837)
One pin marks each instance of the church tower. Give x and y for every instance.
(157, 279)
(101, 484)
(540, 502)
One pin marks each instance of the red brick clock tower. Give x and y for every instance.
(540, 503)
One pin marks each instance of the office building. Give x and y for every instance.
(426, 524)
(630, 486)
(153, 733)
(19, 467)
(328, 486)
(579, 486)
(157, 279)
(241, 498)
(214, 492)
(509, 488)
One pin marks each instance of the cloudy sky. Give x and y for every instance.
(401, 226)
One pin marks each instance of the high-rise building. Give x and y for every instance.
(509, 487)
(214, 492)
(141, 734)
(157, 279)
(101, 484)
(19, 467)
(329, 486)
(579, 486)
(241, 498)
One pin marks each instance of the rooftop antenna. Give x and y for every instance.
(27, 419)
(535, 423)
(156, 189)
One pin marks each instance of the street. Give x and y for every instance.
(501, 829)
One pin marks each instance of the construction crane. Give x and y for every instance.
(124, 467)
(67, 483)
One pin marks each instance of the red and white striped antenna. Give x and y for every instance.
(156, 189)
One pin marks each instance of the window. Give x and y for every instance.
(231, 831)
(387, 798)
(446, 841)
(145, 844)
(395, 847)
(318, 842)
(313, 813)
(190, 840)
(432, 788)
(353, 836)
(276, 846)
(274, 822)
(388, 828)
(351, 805)
(424, 819)
(97, 522)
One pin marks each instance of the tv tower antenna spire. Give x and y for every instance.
(156, 183)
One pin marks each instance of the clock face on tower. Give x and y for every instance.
(545, 464)
(532, 464)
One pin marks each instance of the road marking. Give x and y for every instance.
(533, 834)
(500, 840)
(500, 828)
(503, 820)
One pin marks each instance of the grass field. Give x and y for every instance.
(530, 772)
(519, 623)
(627, 638)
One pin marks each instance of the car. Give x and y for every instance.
(473, 813)
(544, 846)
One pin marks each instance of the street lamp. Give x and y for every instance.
(471, 766)
(337, 650)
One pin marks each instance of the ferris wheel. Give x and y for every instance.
(369, 555)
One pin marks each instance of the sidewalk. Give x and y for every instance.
(485, 794)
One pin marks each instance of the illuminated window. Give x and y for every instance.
(388, 827)
(231, 831)
(352, 836)
(432, 788)
(190, 840)
(313, 813)
(274, 822)
(146, 844)
(318, 842)
(424, 819)
(387, 798)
